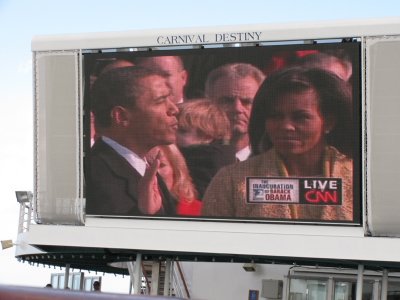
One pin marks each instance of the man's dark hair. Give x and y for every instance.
(117, 87)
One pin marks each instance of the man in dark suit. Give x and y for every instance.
(134, 112)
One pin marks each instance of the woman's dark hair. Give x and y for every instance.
(334, 100)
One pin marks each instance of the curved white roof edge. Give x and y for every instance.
(219, 34)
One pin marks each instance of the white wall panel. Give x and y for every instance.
(57, 139)
(383, 115)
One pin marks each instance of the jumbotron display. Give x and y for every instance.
(245, 134)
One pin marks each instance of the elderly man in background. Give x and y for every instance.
(233, 87)
(173, 66)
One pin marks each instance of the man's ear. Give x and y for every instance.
(184, 76)
(120, 116)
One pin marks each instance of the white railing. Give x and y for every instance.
(178, 282)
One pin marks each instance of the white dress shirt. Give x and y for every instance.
(243, 154)
(138, 163)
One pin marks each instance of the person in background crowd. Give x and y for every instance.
(300, 126)
(116, 63)
(341, 66)
(233, 87)
(175, 69)
(96, 286)
(203, 137)
(93, 135)
(202, 122)
(134, 112)
(102, 66)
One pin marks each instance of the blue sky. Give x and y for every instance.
(20, 20)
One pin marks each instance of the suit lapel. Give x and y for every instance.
(119, 166)
(122, 169)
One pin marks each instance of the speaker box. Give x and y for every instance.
(272, 289)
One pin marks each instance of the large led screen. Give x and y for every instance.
(258, 133)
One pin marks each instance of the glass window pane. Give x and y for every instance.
(393, 291)
(316, 290)
(54, 280)
(304, 289)
(76, 284)
(88, 284)
(346, 290)
(61, 281)
(342, 290)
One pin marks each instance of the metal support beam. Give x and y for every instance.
(375, 290)
(331, 288)
(137, 274)
(130, 284)
(131, 272)
(155, 278)
(167, 279)
(384, 284)
(66, 276)
(360, 279)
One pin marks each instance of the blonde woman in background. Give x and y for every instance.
(203, 136)
(175, 173)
